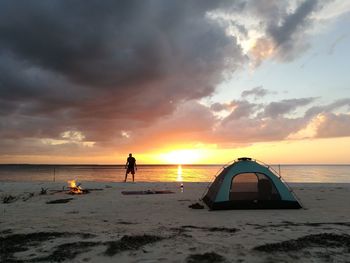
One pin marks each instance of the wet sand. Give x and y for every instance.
(106, 226)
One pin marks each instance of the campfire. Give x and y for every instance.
(75, 189)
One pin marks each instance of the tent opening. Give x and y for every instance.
(252, 186)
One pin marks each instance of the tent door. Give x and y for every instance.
(252, 186)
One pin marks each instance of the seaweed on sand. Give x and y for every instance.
(6, 199)
(5, 231)
(68, 251)
(11, 244)
(212, 229)
(129, 243)
(209, 257)
(326, 240)
(27, 197)
(22, 242)
(289, 224)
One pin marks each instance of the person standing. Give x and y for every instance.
(130, 167)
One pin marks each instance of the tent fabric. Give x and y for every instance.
(246, 184)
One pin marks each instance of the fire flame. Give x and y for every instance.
(74, 188)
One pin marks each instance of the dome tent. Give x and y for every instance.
(247, 184)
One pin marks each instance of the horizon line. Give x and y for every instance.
(163, 164)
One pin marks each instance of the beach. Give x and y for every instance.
(106, 226)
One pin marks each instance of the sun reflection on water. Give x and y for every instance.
(179, 173)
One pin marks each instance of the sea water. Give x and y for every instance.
(164, 173)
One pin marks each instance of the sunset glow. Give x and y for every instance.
(125, 126)
(182, 157)
(206, 85)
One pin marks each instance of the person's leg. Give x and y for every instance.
(133, 174)
(126, 175)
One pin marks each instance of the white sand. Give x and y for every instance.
(110, 215)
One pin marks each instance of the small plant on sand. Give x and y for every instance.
(6, 199)
(27, 197)
(43, 191)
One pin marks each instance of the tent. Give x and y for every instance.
(247, 184)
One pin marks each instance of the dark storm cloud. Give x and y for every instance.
(98, 67)
(289, 35)
(286, 32)
(270, 11)
(114, 43)
(292, 22)
(128, 74)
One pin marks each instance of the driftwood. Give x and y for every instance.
(84, 191)
(77, 191)
(57, 191)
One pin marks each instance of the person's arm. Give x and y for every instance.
(135, 165)
(126, 165)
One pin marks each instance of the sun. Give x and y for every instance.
(181, 157)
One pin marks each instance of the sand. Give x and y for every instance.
(106, 226)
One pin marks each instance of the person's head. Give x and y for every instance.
(130, 154)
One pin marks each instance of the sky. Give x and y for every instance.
(175, 81)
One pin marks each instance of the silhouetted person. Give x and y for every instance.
(130, 167)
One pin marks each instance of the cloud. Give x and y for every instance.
(336, 105)
(235, 109)
(286, 32)
(257, 92)
(289, 37)
(278, 120)
(98, 68)
(255, 122)
(216, 107)
(190, 123)
(325, 125)
(250, 130)
(292, 23)
(242, 109)
(247, 122)
(116, 75)
(276, 109)
(333, 125)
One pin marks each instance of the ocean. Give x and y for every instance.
(164, 173)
